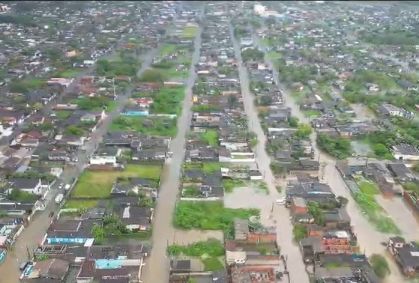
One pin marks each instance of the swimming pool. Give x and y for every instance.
(108, 263)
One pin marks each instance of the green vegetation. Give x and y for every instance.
(300, 232)
(303, 131)
(94, 103)
(367, 187)
(212, 247)
(211, 167)
(168, 49)
(26, 85)
(80, 204)
(411, 187)
(154, 126)
(189, 32)
(372, 210)
(230, 184)
(209, 215)
(392, 37)
(252, 54)
(98, 184)
(124, 66)
(205, 108)
(168, 101)
(335, 146)
(153, 75)
(63, 114)
(210, 137)
(379, 265)
(315, 210)
(22, 196)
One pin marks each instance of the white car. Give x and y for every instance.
(280, 201)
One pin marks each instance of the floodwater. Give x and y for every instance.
(402, 216)
(157, 265)
(368, 238)
(280, 214)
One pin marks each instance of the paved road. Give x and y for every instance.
(32, 236)
(157, 265)
(281, 215)
(369, 238)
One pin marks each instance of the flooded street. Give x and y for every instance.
(369, 239)
(157, 265)
(280, 214)
(402, 216)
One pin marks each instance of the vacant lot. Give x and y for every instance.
(211, 215)
(154, 126)
(80, 204)
(98, 184)
(189, 32)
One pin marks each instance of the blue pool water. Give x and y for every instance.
(108, 263)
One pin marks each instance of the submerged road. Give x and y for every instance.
(280, 214)
(369, 238)
(157, 265)
(33, 234)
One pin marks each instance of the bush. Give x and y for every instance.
(379, 265)
(300, 232)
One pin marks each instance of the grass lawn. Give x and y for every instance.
(210, 137)
(189, 32)
(211, 167)
(312, 113)
(69, 73)
(80, 204)
(273, 55)
(212, 264)
(154, 126)
(209, 215)
(63, 114)
(230, 184)
(167, 49)
(98, 184)
(368, 187)
(207, 251)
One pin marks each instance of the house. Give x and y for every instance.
(105, 156)
(389, 110)
(245, 273)
(401, 172)
(29, 185)
(405, 151)
(49, 269)
(136, 218)
(405, 254)
(70, 232)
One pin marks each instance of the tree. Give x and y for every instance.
(379, 265)
(293, 122)
(303, 131)
(299, 231)
(335, 146)
(98, 233)
(416, 167)
(74, 131)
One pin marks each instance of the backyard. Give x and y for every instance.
(98, 184)
(209, 252)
